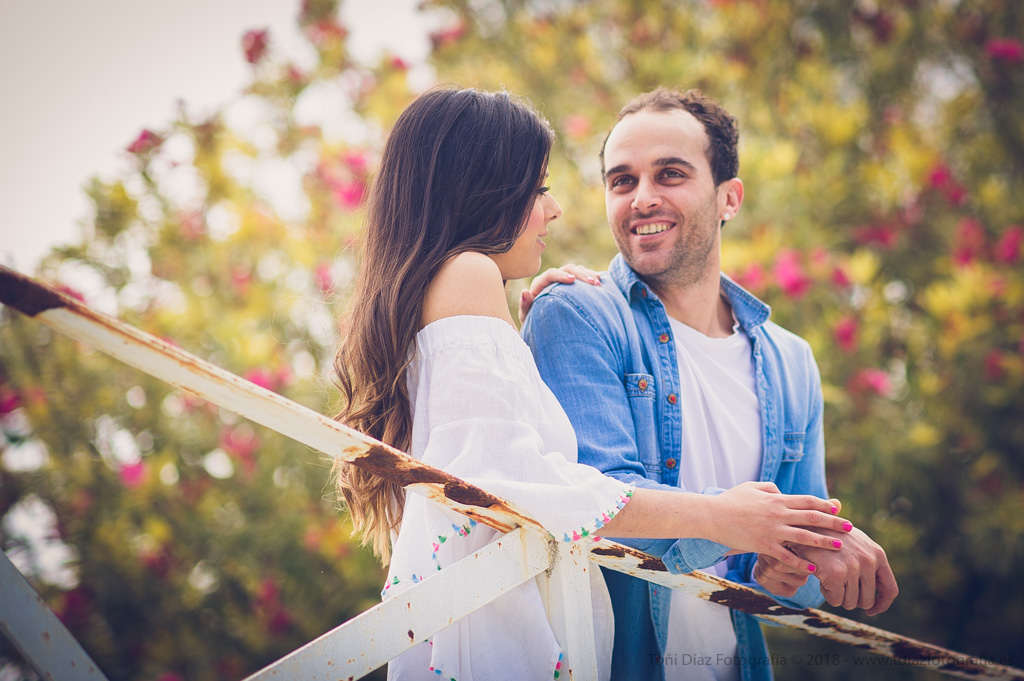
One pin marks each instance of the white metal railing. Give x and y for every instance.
(525, 550)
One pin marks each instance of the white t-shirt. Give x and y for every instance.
(482, 413)
(721, 447)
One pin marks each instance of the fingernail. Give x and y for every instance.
(837, 543)
(571, 276)
(847, 526)
(834, 510)
(811, 568)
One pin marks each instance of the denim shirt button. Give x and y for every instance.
(672, 399)
(670, 463)
(643, 293)
(663, 338)
(642, 384)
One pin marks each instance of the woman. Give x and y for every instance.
(432, 364)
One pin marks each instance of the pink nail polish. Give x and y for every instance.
(847, 526)
(834, 510)
(837, 543)
(811, 568)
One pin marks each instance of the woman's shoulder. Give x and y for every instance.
(467, 284)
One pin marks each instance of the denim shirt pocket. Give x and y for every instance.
(640, 391)
(792, 447)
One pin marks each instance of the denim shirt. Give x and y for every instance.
(608, 355)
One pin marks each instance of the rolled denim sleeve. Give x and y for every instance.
(581, 352)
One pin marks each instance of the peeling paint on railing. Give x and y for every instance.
(216, 385)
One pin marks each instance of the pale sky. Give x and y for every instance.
(79, 80)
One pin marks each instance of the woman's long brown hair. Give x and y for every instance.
(459, 172)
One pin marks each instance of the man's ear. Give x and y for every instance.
(730, 198)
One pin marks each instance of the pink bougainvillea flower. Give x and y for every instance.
(845, 333)
(280, 622)
(169, 676)
(193, 225)
(262, 377)
(868, 381)
(146, 142)
(398, 63)
(349, 194)
(882, 235)
(1008, 248)
(840, 279)
(969, 241)
(9, 400)
(994, 369)
(326, 30)
(753, 278)
(133, 474)
(255, 45)
(242, 443)
(577, 126)
(789, 275)
(295, 75)
(1005, 50)
(323, 277)
(357, 161)
(941, 178)
(448, 36)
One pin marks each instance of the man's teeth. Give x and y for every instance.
(653, 228)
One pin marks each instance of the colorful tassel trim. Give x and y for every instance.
(600, 521)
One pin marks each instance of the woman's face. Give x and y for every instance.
(523, 259)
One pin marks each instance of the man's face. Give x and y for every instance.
(663, 208)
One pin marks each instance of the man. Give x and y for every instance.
(673, 376)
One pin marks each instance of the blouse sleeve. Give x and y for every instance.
(490, 420)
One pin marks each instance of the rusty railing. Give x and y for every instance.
(524, 551)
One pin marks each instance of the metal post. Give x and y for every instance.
(37, 633)
(566, 592)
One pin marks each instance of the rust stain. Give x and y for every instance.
(389, 464)
(908, 650)
(26, 295)
(616, 551)
(412, 636)
(46, 636)
(817, 623)
(653, 564)
(752, 603)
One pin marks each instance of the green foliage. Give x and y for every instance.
(881, 149)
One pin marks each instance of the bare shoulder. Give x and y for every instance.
(467, 284)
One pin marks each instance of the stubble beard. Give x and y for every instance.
(689, 258)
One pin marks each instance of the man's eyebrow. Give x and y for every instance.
(621, 168)
(675, 161)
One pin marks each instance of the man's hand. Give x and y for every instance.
(566, 274)
(857, 576)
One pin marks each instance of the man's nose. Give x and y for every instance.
(647, 196)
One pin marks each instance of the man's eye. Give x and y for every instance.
(621, 181)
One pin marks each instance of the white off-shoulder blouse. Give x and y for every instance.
(482, 413)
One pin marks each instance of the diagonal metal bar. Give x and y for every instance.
(36, 632)
(906, 651)
(387, 630)
(225, 389)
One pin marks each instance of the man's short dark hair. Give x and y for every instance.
(719, 124)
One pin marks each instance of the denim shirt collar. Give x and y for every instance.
(750, 311)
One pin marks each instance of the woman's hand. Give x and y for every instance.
(566, 274)
(755, 518)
